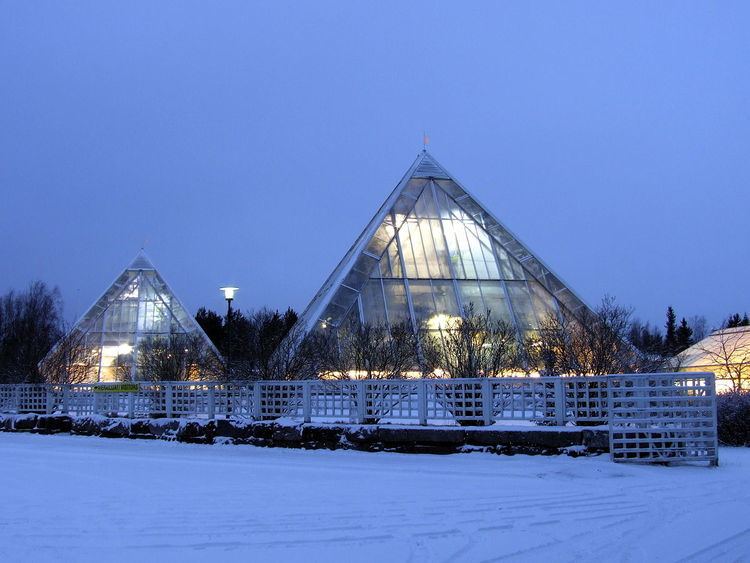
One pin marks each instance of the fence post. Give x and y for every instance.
(211, 406)
(96, 402)
(559, 401)
(66, 398)
(131, 405)
(487, 402)
(361, 399)
(257, 407)
(422, 401)
(49, 406)
(168, 399)
(306, 401)
(17, 398)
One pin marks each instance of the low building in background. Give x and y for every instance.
(726, 353)
(137, 330)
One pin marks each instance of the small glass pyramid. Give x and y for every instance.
(138, 306)
(431, 251)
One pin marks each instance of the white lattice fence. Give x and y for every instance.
(586, 399)
(332, 400)
(524, 399)
(673, 417)
(279, 399)
(663, 418)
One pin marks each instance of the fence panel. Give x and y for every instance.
(457, 399)
(586, 399)
(391, 399)
(333, 399)
(280, 399)
(658, 418)
(652, 417)
(524, 398)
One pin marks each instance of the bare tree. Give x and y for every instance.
(364, 351)
(177, 357)
(29, 326)
(729, 350)
(71, 360)
(475, 345)
(593, 343)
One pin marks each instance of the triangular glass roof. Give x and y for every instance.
(432, 249)
(138, 305)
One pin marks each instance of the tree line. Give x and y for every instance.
(262, 344)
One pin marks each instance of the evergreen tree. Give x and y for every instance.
(735, 321)
(684, 336)
(212, 324)
(670, 338)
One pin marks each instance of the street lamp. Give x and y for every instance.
(229, 292)
(229, 296)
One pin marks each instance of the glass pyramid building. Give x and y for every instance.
(429, 252)
(139, 305)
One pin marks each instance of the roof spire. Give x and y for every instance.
(425, 140)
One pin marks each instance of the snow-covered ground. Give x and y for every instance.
(68, 498)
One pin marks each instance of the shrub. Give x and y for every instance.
(734, 418)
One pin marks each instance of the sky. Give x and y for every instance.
(249, 143)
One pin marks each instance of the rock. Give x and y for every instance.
(361, 438)
(115, 428)
(6, 423)
(196, 432)
(88, 425)
(235, 429)
(322, 436)
(414, 440)
(536, 439)
(287, 436)
(25, 422)
(53, 423)
(596, 440)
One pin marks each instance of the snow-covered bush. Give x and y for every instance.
(734, 418)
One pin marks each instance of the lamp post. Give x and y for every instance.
(229, 292)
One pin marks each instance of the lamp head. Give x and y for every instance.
(229, 292)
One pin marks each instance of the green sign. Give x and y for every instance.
(116, 388)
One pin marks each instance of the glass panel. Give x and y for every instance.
(521, 303)
(445, 298)
(433, 263)
(494, 300)
(339, 305)
(421, 300)
(544, 304)
(442, 256)
(414, 186)
(352, 320)
(425, 207)
(404, 241)
(510, 268)
(360, 272)
(373, 303)
(451, 187)
(470, 295)
(382, 237)
(395, 299)
(394, 261)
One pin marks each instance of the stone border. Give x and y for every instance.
(288, 434)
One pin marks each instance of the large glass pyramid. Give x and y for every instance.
(430, 252)
(138, 306)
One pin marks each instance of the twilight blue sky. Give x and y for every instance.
(249, 143)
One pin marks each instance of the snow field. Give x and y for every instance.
(72, 498)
